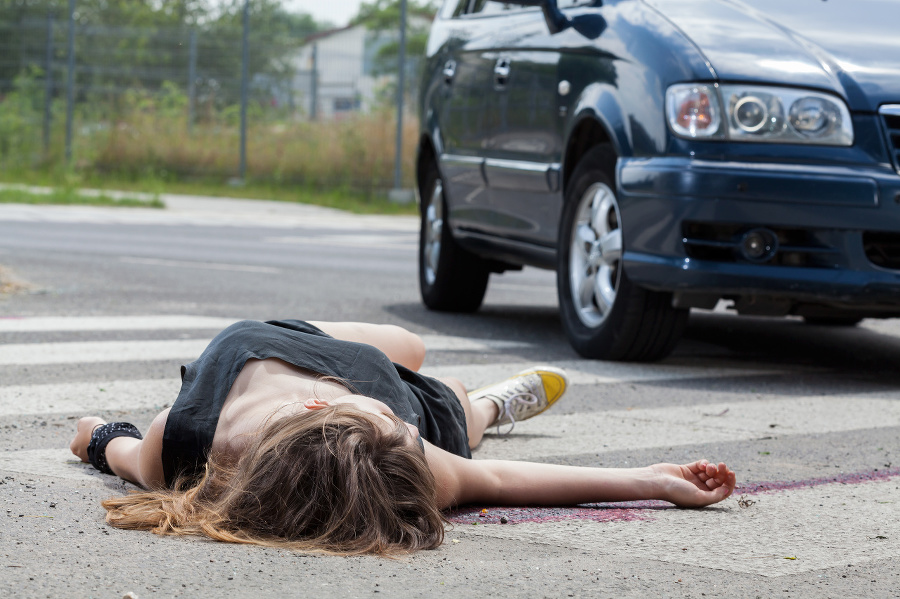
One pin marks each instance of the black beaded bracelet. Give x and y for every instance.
(100, 438)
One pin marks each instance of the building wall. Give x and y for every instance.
(345, 81)
(342, 85)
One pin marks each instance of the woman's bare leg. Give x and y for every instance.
(401, 346)
(479, 414)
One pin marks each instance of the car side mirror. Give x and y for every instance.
(590, 26)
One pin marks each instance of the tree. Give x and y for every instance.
(126, 44)
(383, 17)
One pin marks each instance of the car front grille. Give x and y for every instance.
(891, 116)
(721, 242)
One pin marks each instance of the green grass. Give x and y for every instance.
(140, 142)
(68, 196)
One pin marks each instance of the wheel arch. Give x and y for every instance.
(586, 135)
(429, 149)
(599, 119)
(425, 154)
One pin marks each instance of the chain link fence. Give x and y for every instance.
(181, 102)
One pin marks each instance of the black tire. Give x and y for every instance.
(832, 321)
(612, 318)
(450, 278)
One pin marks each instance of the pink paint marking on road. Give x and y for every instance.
(849, 478)
(630, 511)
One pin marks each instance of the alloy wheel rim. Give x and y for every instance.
(434, 226)
(595, 255)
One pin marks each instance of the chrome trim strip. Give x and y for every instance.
(495, 168)
(891, 109)
(521, 165)
(460, 159)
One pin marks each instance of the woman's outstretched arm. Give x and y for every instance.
(135, 460)
(400, 346)
(498, 482)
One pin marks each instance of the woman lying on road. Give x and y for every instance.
(322, 436)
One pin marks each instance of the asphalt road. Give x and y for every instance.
(112, 301)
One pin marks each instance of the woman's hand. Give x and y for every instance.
(82, 437)
(695, 485)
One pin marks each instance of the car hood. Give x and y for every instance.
(851, 47)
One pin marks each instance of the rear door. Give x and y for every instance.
(463, 112)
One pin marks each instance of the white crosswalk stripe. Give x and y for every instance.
(617, 430)
(84, 398)
(85, 352)
(56, 462)
(811, 524)
(110, 323)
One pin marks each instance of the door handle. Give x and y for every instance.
(449, 71)
(501, 72)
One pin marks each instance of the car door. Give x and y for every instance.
(523, 152)
(475, 116)
(522, 143)
(504, 125)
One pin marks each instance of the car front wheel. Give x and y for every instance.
(604, 315)
(450, 278)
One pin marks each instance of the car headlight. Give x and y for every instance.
(758, 114)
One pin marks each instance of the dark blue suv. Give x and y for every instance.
(663, 155)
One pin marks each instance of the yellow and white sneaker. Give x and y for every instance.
(525, 395)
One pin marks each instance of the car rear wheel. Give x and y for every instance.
(606, 316)
(450, 278)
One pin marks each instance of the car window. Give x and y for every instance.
(453, 8)
(490, 7)
(572, 3)
(485, 7)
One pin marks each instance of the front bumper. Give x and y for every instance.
(683, 219)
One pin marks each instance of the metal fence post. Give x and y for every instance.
(48, 84)
(192, 77)
(398, 195)
(70, 81)
(314, 83)
(243, 166)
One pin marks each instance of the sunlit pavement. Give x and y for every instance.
(115, 300)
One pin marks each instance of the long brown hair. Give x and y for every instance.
(331, 480)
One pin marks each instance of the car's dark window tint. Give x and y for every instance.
(453, 8)
(490, 7)
(572, 3)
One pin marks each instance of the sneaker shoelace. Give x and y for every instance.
(522, 393)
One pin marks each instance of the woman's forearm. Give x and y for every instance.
(527, 483)
(462, 481)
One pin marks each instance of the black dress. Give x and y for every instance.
(206, 382)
